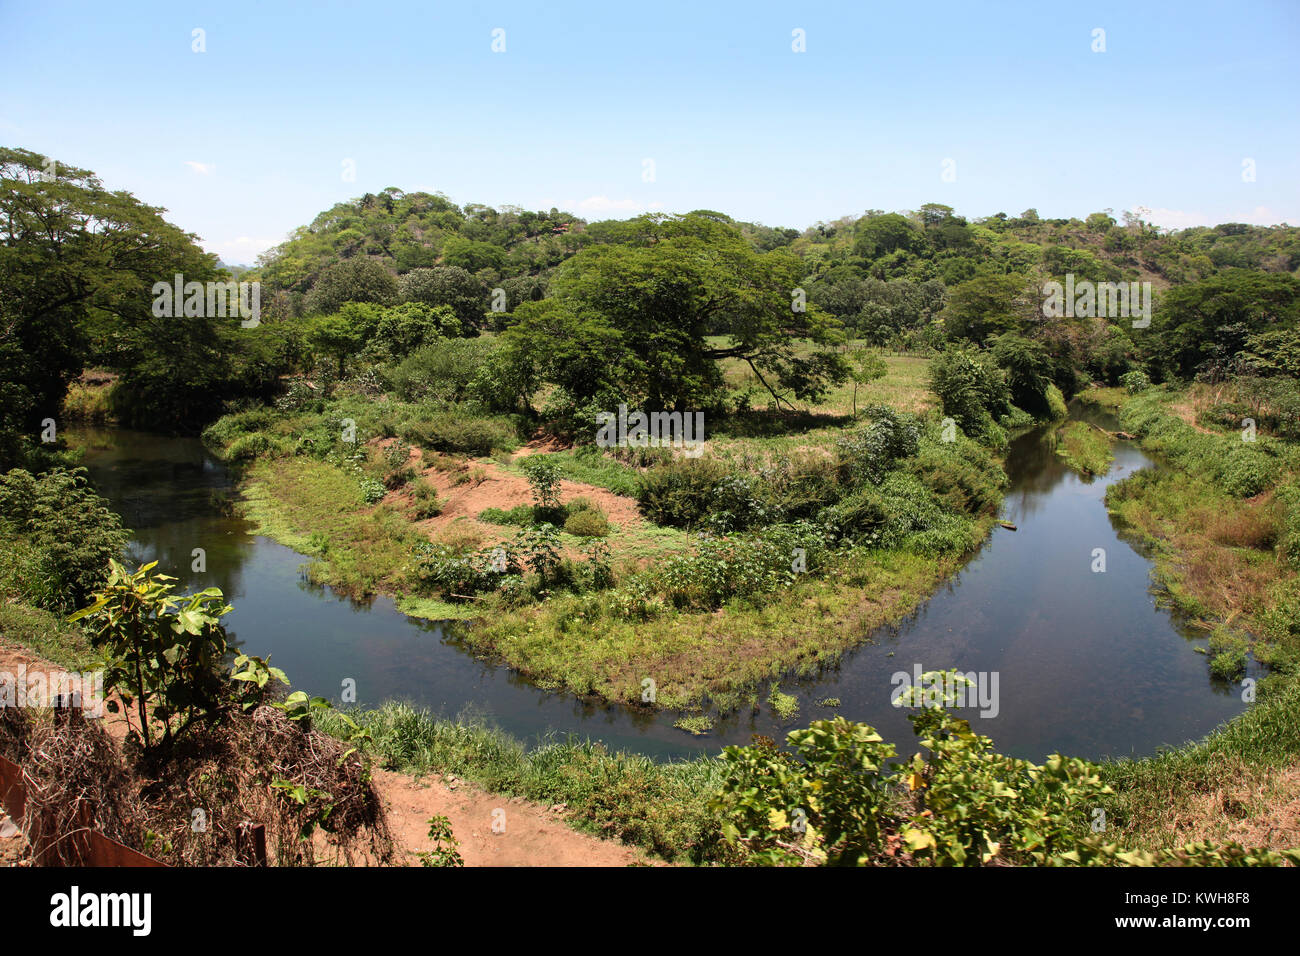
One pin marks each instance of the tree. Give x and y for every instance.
(412, 325)
(1028, 369)
(451, 286)
(1203, 325)
(77, 268)
(865, 366)
(880, 235)
(986, 305)
(358, 279)
(682, 280)
(345, 333)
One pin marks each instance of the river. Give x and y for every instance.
(1086, 663)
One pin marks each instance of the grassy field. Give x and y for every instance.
(710, 659)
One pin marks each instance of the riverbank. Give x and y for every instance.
(1222, 525)
(646, 613)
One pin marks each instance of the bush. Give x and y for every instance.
(837, 798)
(680, 493)
(1246, 471)
(867, 454)
(457, 574)
(396, 479)
(587, 524)
(962, 474)
(426, 500)
(459, 433)
(62, 535)
(543, 476)
(1135, 381)
(973, 391)
(521, 515)
(445, 372)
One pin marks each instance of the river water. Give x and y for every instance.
(1085, 662)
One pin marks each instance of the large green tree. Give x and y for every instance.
(77, 267)
(679, 296)
(1204, 325)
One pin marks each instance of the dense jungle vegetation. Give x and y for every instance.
(858, 380)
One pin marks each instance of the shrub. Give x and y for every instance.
(426, 500)
(521, 515)
(248, 447)
(1288, 543)
(587, 524)
(63, 536)
(1135, 381)
(372, 490)
(444, 372)
(680, 493)
(835, 799)
(459, 575)
(396, 479)
(1228, 665)
(867, 454)
(543, 476)
(972, 390)
(1246, 471)
(457, 432)
(962, 474)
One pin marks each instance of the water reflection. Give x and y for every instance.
(1088, 664)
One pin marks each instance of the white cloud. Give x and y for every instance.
(1265, 216)
(1173, 218)
(1183, 219)
(203, 169)
(241, 251)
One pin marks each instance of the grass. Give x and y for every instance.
(584, 642)
(1196, 791)
(661, 807)
(317, 508)
(578, 642)
(589, 466)
(88, 402)
(1218, 555)
(1110, 399)
(47, 635)
(905, 385)
(1085, 448)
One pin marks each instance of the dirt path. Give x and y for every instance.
(496, 487)
(525, 834)
(528, 834)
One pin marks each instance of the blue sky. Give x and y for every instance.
(248, 140)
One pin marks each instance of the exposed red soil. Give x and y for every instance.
(531, 834)
(499, 488)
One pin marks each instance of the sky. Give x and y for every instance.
(608, 110)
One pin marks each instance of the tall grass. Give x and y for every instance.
(616, 795)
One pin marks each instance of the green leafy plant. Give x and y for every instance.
(544, 477)
(444, 852)
(165, 651)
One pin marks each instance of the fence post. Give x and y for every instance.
(250, 843)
